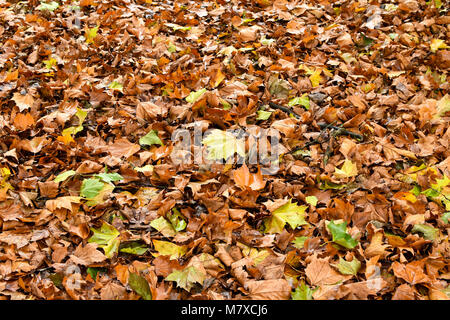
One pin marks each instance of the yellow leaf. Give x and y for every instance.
(315, 78)
(437, 44)
(348, 170)
(167, 248)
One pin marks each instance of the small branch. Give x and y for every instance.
(284, 109)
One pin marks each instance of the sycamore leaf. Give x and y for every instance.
(177, 221)
(23, 101)
(90, 188)
(163, 226)
(299, 242)
(90, 35)
(445, 217)
(303, 101)
(166, 248)
(186, 278)
(289, 213)
(115, 85)
(50, 63)
(195, 95)
(315, 78)
(139, 285)
(223, 145)
(428, 232)
(348, 170)
(312, 200)
(176, 27)
(99, 198)
(340, 235)
(133, 247)
(150, 139)
(278, 87)
(443, 106)
(109, 177)
(263, 115)
(64, 176)
(302, 292)
(51, 6)
(349, 268)
(107, 238)
(437, 44)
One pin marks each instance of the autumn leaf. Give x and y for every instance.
(107, 238)
(50, 6)
(23, 101)
(302, 292)
(347, 170)
(139, 285)
(437, 44)
(289, 213)
(90, 34)
(222, 145)
(64, 176)
(187, 277)
(340, 235)
(166, 248)
(90, 188)
(348, 268)
(150, 138)
(195, 95)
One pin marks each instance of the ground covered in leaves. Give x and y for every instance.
(93, 206)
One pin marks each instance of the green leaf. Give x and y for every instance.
(52, 6)
(263, 115)
(303, 101)
(177, 221)
(445, 217)
(299, 242)
(50, 63)
(349, 268)
(109, 177)
(302, 292)
(289, 213)
(312, 200)
(90, 188)
(93, 272)
(186, 278)
(163, 226)
(443, 106)
(140, 286)
(195, 95)
(166, 248)
(428, 232)
(340, 235)
(107, 237)
(116, 86)
(133, 247)
(223, 145)
(150, 139)
(63, 176)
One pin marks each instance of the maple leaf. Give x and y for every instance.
(90, 34)
(299, 242)
(437, 44)
(340, 235)
(223, 145)
(187, 277)
(263, 115)
(289, 213)
(133, 247)
(245, 179)
(107, 237)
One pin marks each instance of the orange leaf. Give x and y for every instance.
(23, 121)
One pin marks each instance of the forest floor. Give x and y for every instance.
(96, 204)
